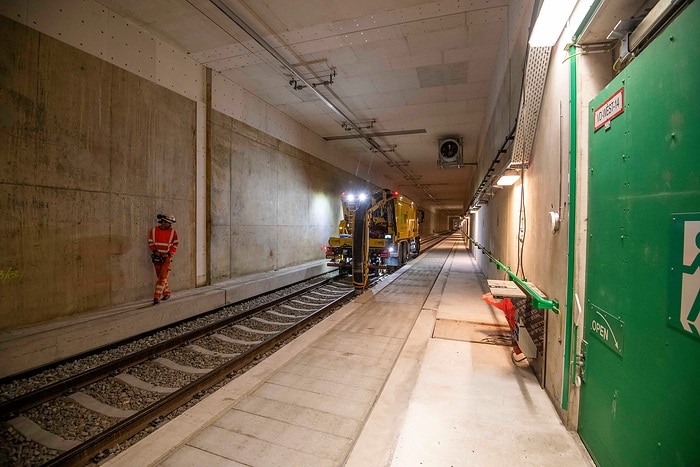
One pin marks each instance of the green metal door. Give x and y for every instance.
(640, 396)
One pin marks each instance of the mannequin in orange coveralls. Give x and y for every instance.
(163, 243)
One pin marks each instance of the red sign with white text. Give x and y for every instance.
(610, 109)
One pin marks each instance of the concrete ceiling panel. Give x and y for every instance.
(384, 50)
(279, 96)
(372, 36)
(385, 99)
(367, 22)
(438, 41)
(340, 57)
(320, 46)
(365, 68)
(445, 109)
(355, 86)
(471, 90)
(311, 33)
(470, 53)
(425, 95)
(485, 34)
(427, 10)
(415, 61)
(394, 81)
(481, 70)
(411, 64)
(264, 75)
(487, 16)
(440, 23)
(297, 14)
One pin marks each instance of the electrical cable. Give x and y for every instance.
(522, 227)
(512, 357)
(487, 181)
(498, 339)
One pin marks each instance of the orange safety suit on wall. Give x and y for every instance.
(163, 243)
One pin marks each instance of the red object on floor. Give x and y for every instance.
(506, 306)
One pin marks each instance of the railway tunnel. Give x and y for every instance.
(566, 164)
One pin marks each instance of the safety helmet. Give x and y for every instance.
(166, 218)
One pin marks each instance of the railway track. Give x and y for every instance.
(80, 416)
(70, 421)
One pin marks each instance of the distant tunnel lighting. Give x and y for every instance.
(508, 178)
(550, 22)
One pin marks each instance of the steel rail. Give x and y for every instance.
(43, 394)
(81, 454)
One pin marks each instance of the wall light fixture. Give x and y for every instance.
(508, 178)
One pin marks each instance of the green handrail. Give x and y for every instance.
(537, 300)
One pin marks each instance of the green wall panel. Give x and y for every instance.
(639, 400)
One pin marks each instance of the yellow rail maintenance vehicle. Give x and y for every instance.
(377, 233)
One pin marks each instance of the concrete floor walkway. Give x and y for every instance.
(352, 391)
(457, 402)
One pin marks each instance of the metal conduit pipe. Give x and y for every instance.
(570, 342)
(277, 56)
(537, 300)
(570, 334)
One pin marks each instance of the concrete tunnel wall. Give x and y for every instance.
(91, 152)
(273, 205)
(515, 225)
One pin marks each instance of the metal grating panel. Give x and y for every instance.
(535, 78)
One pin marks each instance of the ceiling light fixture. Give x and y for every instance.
(550, 22)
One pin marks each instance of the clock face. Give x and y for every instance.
(449, 150)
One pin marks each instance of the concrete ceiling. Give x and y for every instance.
(608, 14)
(397, 65)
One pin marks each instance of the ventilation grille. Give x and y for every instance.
(535, 78)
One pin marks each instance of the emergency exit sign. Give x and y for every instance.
(684, 273)
(609, 109)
